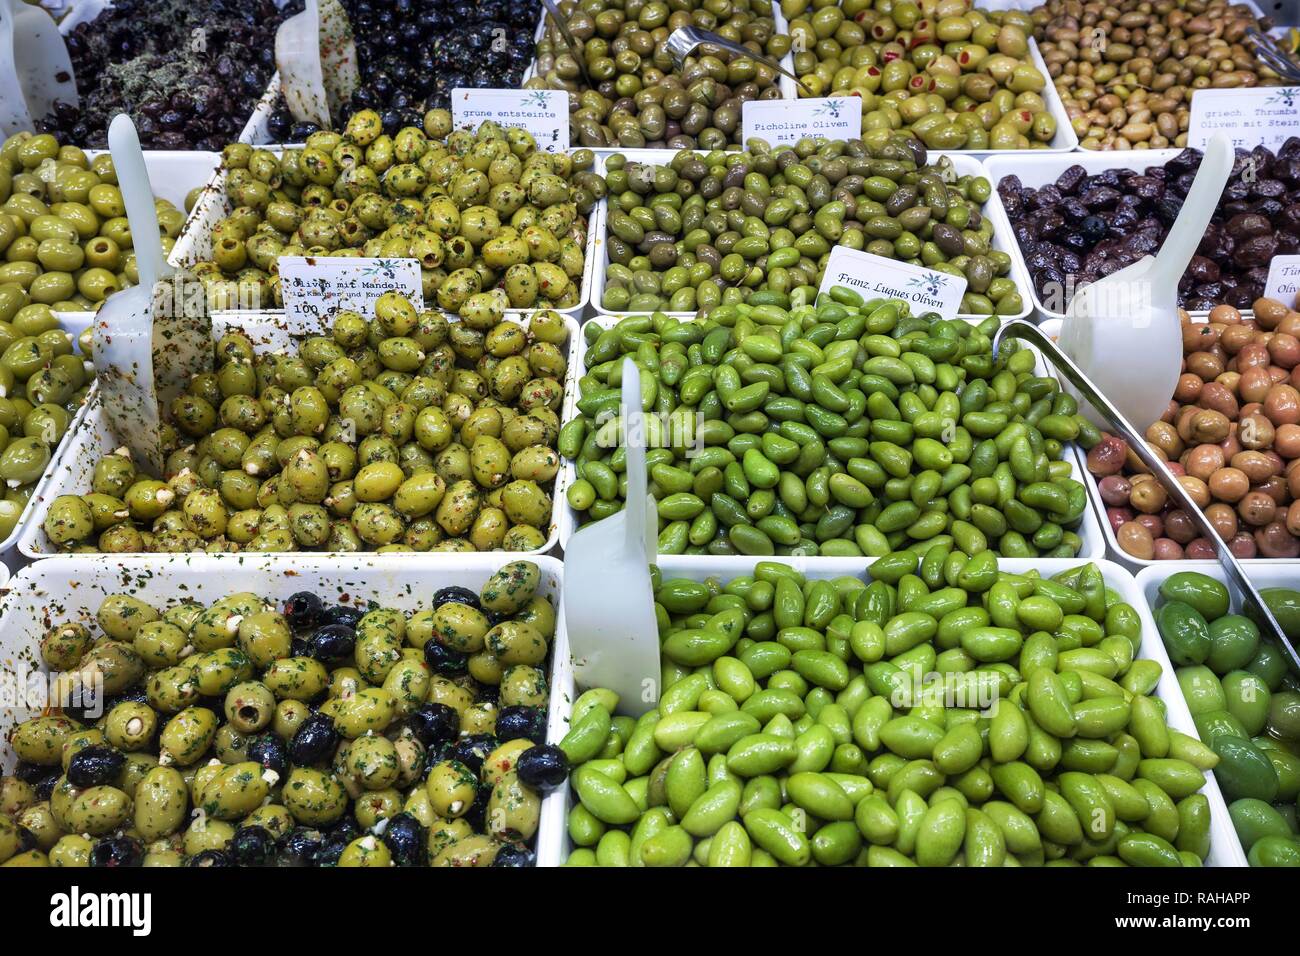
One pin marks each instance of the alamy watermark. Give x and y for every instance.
(38, 690)
(964, 690)
(1131, 299)
(682, 430)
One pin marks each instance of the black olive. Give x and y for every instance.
(404, 837)
(252, 846)
(472, 750)
(269, 751)
(542, 768)
(26, 840)
(95, 766)
(332, 848)
(299, 847)
(314, 740)
(456, 595)
(520, 722)
(340, 614)
(333, 642)
(443, 660)
(515, 855)
(210, 858)
(117, 851)
(476, 817)
(31, 773)
(303, 610)
(44, 786)
(434, 723)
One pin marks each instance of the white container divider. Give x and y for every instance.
(1089, 530)
(195, 242)
(963, 165)
(64, 589)
(1038, 171)
(1263, 574)
(72, 469)
(554, 846)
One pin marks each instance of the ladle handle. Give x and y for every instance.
(634, 450)
(1188, 229)
(137, 196)
(1250, 600)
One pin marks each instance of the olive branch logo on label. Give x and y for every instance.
(1286, 96)
(536, 99)
(930, 284)
(829, 108)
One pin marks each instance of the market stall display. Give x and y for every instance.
(329, 618)
(264, 714)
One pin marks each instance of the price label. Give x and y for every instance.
(875, 277)
(1283, 280)
(315, 287)
(1258, 116)
(780, 122)
(544, 113)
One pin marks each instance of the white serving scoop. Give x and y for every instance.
(152, 338)
(35, 69)
(1123, 330)
(317, 60)
(608, 600)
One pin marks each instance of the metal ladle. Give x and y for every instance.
(1251, 602)
(684, 41)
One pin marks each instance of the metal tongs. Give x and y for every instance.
(1239, 585)
(574, 46)
(684, 41)
(1273, 56)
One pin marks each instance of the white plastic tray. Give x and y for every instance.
(195, 242)
(1263, 574)
(789, 90)
(1089, 530)
(63, 590)
(1036, 171)
(71, 470)
(73, 323)
(963, 164)
(553, 845)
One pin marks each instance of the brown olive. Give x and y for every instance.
(1179, 526)
(1229, 484)
(1166, 549)
(1136, 540)
(1275, 541)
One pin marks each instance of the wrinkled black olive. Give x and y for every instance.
(434, 723)
(456, 595)
(443, 660)
(252, 846)
(299, 847)
(269, 751)
(113, 851)
(94, 766)
(210, 858)
(303, 610)
(542, 768)
(314, 740)
(515, 855)
(472, 750)
(404, 837)
(520, 722)
(333, 642)
(340, 614)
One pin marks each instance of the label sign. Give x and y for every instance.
(544, 113)
(314, 287)
(875, 277)
(1258, 116)
(781, 122)
(1283, 280)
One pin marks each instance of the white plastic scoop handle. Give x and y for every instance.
(317, 59)
(152, 338)
(608, 601)
(35, 70)
(1123, 330)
